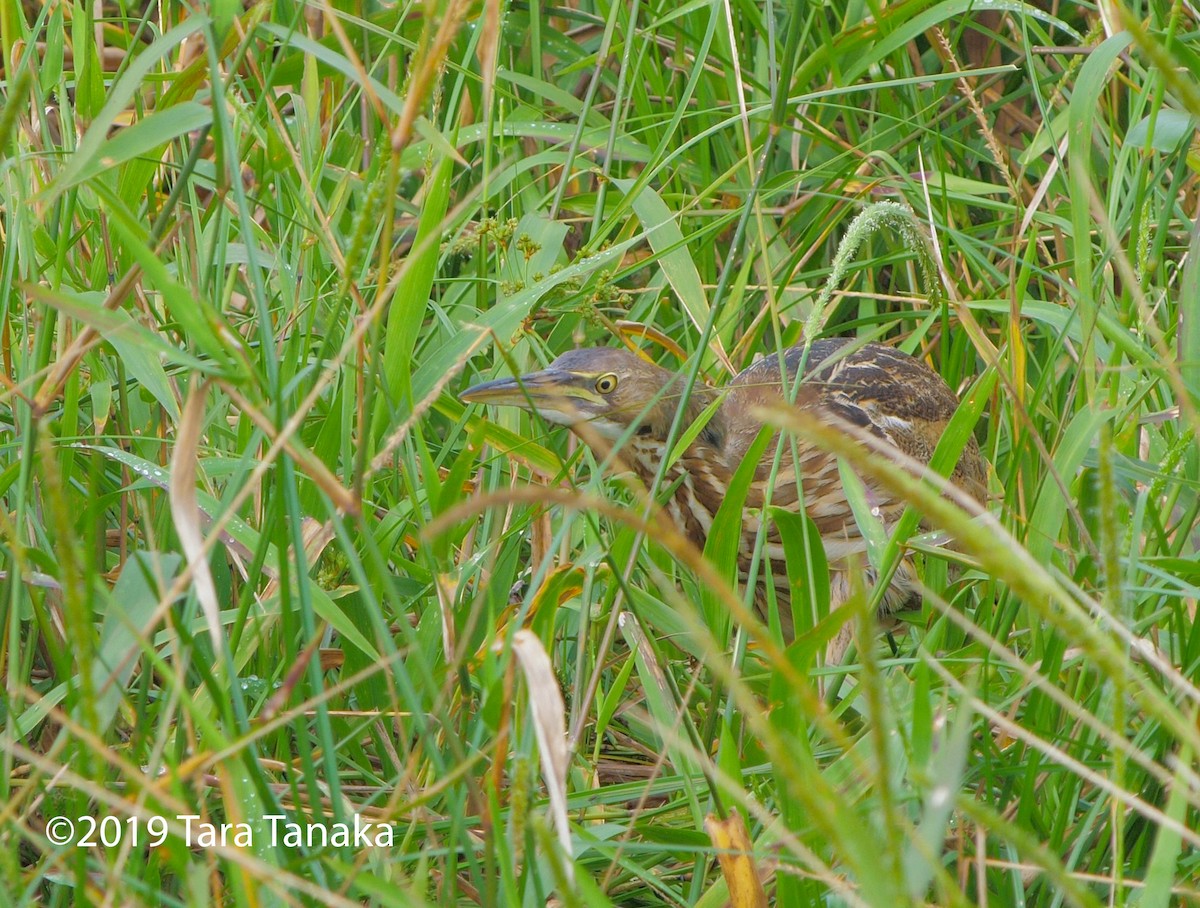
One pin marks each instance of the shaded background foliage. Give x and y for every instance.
(249, 253)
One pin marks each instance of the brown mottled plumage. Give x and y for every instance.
(607, 395)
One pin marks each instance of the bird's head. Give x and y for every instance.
(612, 391)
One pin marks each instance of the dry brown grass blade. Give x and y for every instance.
(430, 57)
(737, 862)
(550, 727)
(185, 510)
(489, 45)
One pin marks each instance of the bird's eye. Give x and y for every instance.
(606, 384)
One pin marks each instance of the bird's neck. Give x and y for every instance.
(692, 486)
(695, 482)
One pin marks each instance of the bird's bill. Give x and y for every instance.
(553, 393)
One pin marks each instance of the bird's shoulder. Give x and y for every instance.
(876, 379)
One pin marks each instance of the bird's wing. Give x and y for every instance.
(874, 387)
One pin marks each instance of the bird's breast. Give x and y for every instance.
(696, 482)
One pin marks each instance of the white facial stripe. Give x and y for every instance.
(562, 419)
(607, 428)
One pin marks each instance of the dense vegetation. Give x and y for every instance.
(259, 560)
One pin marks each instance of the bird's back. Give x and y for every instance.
(874, 387)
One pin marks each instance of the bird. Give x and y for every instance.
(618, 401)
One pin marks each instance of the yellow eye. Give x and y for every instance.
(606, 384)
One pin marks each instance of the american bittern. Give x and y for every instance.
(610, 397)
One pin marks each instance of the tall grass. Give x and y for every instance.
(259, 561)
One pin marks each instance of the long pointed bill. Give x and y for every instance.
(553, 393)
(502, 391)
